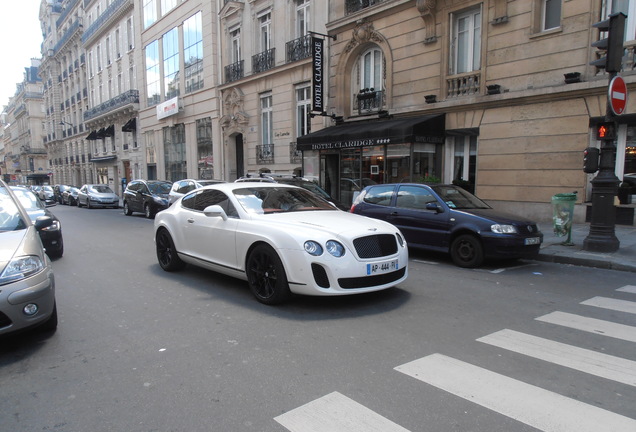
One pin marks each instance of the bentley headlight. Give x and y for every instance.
(20, 268)
(503, 229)
(313, 248)
(335, 248)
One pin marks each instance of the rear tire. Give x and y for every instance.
(467, 251)
(266, 276)
(148, 212)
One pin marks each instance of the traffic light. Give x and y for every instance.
(606, 131)
(612, 44)
(590, 160)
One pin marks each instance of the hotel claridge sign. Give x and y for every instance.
(499, 96)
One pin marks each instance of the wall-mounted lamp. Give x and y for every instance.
(62, 123)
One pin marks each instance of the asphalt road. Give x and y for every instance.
(521, 346)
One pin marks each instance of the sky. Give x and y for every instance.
(20, 38)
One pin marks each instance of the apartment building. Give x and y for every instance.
(23, 157)
(63, 72)
(108, 40)
(179, 108)
(495, 95)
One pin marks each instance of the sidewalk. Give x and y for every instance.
(624, 259)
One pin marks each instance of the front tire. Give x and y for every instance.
(127, 210)
(266, 276)
(467, 251)
(166, 252)
(88, 203)
(148, 212)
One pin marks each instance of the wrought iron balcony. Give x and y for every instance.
(264, 61)
(75, 27)
(298, 49)
(111, 13)
(369, 101)
(295, 155)
(234, 71)
(126, 98)
(265, 153)
(352, 6)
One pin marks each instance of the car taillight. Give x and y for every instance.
(352, 209)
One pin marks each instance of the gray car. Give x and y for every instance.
(182, 187)
(97, 195)
(27, 284)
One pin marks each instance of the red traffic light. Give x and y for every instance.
(606, 131)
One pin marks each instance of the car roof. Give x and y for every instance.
(229, 187)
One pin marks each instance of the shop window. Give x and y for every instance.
(204, 148)
(426, 163)
(174, 152)
(463, 157)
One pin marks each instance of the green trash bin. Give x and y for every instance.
(563, 215)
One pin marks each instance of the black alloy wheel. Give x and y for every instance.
(266, 276)
(467, 251)
(166, 252)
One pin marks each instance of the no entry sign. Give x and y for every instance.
(617, 95)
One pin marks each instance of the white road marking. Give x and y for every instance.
(584, 360)
(613, 304)
(534, 406)
(628, 289)
(591, 325)
(336, 413)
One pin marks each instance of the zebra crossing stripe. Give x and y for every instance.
(591, 362)
(336, 413)
(613, 304)
(628, 289)
(534, 406)
(591, 325)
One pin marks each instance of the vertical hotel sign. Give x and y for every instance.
(317, 80)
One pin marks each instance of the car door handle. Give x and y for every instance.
(190, 220)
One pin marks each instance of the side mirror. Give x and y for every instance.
(433, 206)
(215, 211)
(42, 222)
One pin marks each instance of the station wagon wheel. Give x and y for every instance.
(166, 252)
(467, 251)
(266, 276)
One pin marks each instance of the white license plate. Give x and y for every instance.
(382, 267)
(532, 241)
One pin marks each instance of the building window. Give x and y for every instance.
(266, 153)
(174, 152)
(302, 17)
(193, 53)
(463, 154)
(171, 63)
(265, 22)
(167, 6)
(130, 35)
(466, 42)
(369, 82)
(628, 7)
(303, 107)
(150, 12)
(551, 14)
(153, 79)
(204, 148)
(235, 36)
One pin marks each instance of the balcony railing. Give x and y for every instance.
(463, 85)
(265, 153)
(67, 35)
(369, 101)
(264, 61)
(234, 71)
(129, 97)
(352, 6)
(101, 21)
(298, 49)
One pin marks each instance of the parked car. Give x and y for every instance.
(97, 195)
(46, 194)
(69, 196)
(302, 182)
(27, 283)
(146, 196)
(58, 191)
(630, 180)
(182, 187)
(50, 234)
(281, 239)
(447, 218)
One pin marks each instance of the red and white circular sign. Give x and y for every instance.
(617, 95)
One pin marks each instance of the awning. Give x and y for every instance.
(103, 158)
(422, 129)
(100, 133)
(109, 131)
(92, 136)
(130, 126)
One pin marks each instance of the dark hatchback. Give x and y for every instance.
(447, 218)
(48, 226)
(146, 196)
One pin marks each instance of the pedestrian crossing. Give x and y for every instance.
(534, 406)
